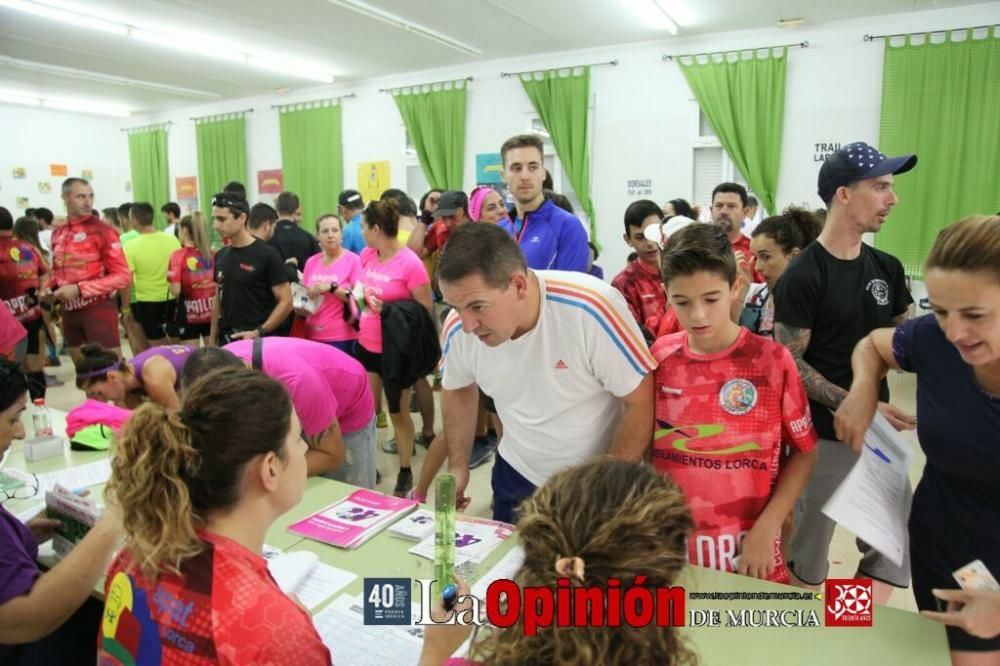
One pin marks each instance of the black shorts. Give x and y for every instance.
(152, 316)
(34, 329)
(177, 331)
(925, 578)
(372, 362)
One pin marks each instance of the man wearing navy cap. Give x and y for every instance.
(832, 295)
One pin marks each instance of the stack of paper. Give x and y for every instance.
(415, 527)
(354, 519)
(475, 539)
(342, 628)
(76, 515)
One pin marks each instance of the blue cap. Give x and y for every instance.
(858, 161)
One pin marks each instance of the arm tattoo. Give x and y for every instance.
(818, 387)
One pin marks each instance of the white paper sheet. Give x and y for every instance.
(342, 628)
(505, 568)
(75, 478)
(873, 501)
(322, 583)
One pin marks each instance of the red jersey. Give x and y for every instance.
(643, 291)
(223, 609)
(21, 266)
(721, 422)
(86, 252)
(742, 244)
(194, 273)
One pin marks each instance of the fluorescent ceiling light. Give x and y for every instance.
(188, 45)
(85, 106)
(60, 11)
(30, 66)
(8, 97)
(652, 14)
(281, 66)
(64, 104)
(78, 20)
(399, 22)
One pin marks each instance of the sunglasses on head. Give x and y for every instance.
(223, 201)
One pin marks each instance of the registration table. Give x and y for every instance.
(897, 637)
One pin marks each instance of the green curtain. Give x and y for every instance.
(222, 156)
(435, 121)
(744, 100)
(562, 103)
(147, 153)
(942, 102)
(312, 158)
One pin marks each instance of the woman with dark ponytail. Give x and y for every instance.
(775, 242)
(199, 488)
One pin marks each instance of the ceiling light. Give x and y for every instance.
(73, 18)
(8, 97)
(668, 23)
(84, 106)
(64, 104)
(195, 46)
(30, 66)
(205, 46)
(791, 23)
(652, 14)
(399, 22)
(282, 66)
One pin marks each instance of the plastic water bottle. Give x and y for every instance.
(41, 420)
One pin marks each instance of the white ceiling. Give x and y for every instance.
(350, 45)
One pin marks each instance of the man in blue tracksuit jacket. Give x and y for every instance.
(550, 238)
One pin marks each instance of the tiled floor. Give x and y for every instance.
(843, 553)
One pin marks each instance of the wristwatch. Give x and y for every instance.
(261, 332)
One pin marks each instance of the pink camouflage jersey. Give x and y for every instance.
(721, 423)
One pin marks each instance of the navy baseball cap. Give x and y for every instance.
(858, 161)
(351, 198)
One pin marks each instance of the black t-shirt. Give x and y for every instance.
(293, 241)
(840, 302)
(245, 276)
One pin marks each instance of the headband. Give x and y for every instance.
(97, 373)
(476, 201)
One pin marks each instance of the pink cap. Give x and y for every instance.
(476, 200)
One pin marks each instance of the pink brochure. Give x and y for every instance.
(354, 519)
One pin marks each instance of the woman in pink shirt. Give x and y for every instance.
(331, 275)
(390, 272)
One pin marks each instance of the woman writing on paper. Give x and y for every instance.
(199, 488)
(956, 354)
(41, 619)
(154, 374)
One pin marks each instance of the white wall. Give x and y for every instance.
(35, 138)
(643, 120)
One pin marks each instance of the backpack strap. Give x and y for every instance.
(257, 359)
